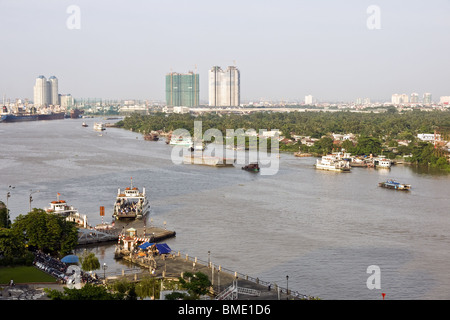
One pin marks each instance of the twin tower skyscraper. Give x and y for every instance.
(46, 91)
(223, 88)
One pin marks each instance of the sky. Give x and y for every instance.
(336, 50)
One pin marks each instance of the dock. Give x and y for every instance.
(87, 236)
(225, 284)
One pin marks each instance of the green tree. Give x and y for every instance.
(5, 222)
(196, 284)
(89, 261)
(368, 145)
(12, 248)
(148, 287)
(47, 232)
(87, 292)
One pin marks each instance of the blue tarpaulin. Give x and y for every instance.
(70, 259)
(163, 248)
(145, 245)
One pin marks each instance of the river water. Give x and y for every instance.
(322, 229)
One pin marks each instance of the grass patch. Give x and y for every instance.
(23, 274)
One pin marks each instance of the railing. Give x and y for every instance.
(256, 280)
(237, 275)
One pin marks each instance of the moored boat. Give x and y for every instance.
(392, 184)
(98, 126)
(60, 207)
(131, 203)
(333, 162)
(181, 141)
(151, 137)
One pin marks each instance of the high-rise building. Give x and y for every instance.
(224, 87)
(40, 92)
(414, 98)
(309, 100)
(182, 89)
(53, 94)
(66, 101)
(427, 98)
(399, 98)
(46, 92)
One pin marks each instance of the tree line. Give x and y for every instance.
(377, 133)
(37, 230)
(314, 124)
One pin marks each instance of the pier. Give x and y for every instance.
(225, 283)
(98, 235)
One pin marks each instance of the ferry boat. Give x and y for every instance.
(181, 141)
(333, 162)
(392, 184)
(98, 126)
(60, 207)
(131, 203)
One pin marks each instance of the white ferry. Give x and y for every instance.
(181, 141)
(98, 126)
(131, 203)
(333, 162)
(61, 208)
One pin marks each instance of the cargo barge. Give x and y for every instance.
(392, 184)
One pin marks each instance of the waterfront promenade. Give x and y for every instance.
(175, 264)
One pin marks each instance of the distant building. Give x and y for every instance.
(427, 98)
(224, 87)
(182, 89)
(308, 99)
(429, 137)
(66, 101)
(444, 100)
(399, 98)
(414, 97)
(46, 92)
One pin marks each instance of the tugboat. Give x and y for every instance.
(131, 203)
(252, 167)
(392, 184)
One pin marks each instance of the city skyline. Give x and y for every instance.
(327, 50)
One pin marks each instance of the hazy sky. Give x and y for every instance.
(284, 49)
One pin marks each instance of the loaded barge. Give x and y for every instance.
(392, 184)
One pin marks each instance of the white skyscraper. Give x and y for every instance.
(41, 92)
(427, 98)
(309, 100)
(46, 92)
(224, 87)
(53, 94)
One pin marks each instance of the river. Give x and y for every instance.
(322, 229)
